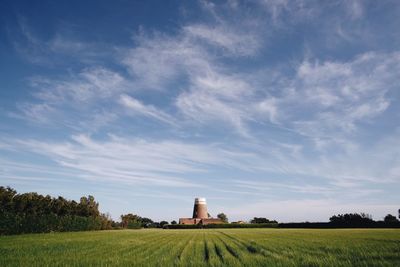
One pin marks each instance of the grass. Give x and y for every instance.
(211, 247)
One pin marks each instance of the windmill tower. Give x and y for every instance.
(200, 214)
(200, 208)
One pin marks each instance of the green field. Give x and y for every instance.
(214, 247)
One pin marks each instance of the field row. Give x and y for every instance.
(227, 247)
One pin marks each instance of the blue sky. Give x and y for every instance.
(282, 109)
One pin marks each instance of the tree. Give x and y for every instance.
(174, 222)
(261, 220)
(390, 219)
(130, 220)
(223, 217)
(354, 219)
(145, 221)
(162, 223)
(106, 221)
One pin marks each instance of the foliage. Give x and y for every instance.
(353, 219)
(182, 226)
(34, 213)
(390, 218)
(145, 221)
(129, 218)
(262, 220)
(132, 221)
(220, 225)
(202, 248)
(154, 225)
(222, 217)
(162, 223)
(328, 225)
(243, 225)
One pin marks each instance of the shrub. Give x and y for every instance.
(220, 225)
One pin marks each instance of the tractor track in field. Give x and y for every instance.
(250, 247)
(232, 251)
(255, 248)
(206, 251)
(218, 252)
(179, 256)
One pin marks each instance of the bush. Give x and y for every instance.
(326, 225)
(220, 225)
(262, 220)
(182, 226)
(134, 225)
(11, 223)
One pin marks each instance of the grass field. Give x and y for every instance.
(213, 247)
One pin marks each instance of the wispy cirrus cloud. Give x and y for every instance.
(137, 160)
(138, 107)
(235, 42)
(344, 94)
(89, 84)
(60, 49)
(74, 100)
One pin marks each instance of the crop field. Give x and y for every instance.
(212, 247)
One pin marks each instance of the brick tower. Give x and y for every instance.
(200, 208)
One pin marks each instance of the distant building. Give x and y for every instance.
(200, 214)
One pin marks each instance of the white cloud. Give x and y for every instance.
(269, 107)
(205, 108)
(213, 94)
(234, 41)
(147, 110)
(218, 97)
(38, 113)
(57, 50)
(137, 161)
(354, 8)
(74, 101)
(158, 60)
(89, 84)
(341, 94)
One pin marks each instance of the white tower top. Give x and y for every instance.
(200, 200)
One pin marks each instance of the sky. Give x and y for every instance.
(282, 109)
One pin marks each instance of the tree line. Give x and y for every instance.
(361, 219)
(35, 213)
(133, 221)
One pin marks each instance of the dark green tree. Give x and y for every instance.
(390, 219)
(351, 219)
(223, 217)
(130, 221)
(262, 220)
(162, 223)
